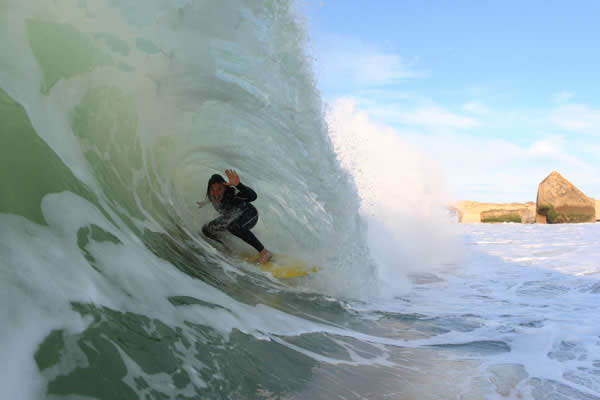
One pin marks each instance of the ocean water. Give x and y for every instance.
(113, 114)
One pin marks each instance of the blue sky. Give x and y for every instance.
(498, 93)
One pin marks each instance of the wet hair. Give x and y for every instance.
(216, 178)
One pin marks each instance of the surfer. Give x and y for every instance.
(238, 216)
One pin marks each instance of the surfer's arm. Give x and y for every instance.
(245, 193)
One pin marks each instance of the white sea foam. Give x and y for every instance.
(543, 307)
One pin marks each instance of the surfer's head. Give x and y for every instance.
(215, 188)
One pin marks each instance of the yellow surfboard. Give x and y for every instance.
(284, 267)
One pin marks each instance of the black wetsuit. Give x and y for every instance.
(238, 216)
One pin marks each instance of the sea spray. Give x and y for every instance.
(403, 196)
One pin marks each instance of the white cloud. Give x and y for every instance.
(408, 110)
(431, 116)
(550, 147)
(475, 108)
(577, 118)
(553, 149)
(591, 148)
(439, 117)
(501, 171)
(344, 64)
(563, 97)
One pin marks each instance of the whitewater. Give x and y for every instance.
(114, 114)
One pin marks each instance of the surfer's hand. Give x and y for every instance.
(202, 203)
(233, 177)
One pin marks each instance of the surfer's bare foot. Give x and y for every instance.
(265, 256)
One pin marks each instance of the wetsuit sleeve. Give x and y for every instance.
(245, 193)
